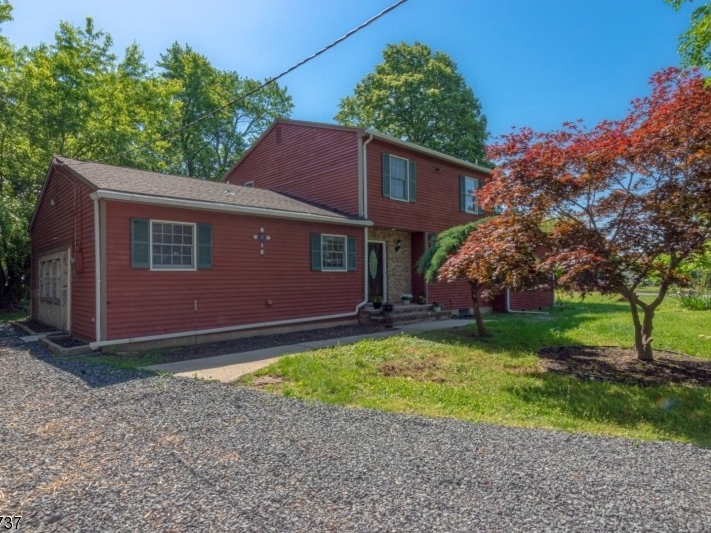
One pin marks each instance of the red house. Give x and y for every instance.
(311, 223)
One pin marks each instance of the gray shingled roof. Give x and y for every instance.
(142, 182)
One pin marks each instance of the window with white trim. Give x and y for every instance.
(167, 245)
(469, 202)
(399, 180)
(172, 245)
(333, 252)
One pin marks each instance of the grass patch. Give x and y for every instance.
(453, 373)
(9, 316)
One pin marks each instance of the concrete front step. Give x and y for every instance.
(402, 314)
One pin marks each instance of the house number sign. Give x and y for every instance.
(262, 238)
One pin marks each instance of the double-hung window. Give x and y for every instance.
(399, 181)
(166, 245)
(172, 245)
(468, 195)
(333, 253)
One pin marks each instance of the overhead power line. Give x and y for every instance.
(262, 86)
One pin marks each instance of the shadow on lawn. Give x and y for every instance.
(519, 335)
(679, 412)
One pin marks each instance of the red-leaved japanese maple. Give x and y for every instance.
(626, 200)
(494, 258)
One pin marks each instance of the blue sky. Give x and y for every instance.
(531, 63)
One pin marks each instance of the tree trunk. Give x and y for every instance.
(643, 332)
(481, 329)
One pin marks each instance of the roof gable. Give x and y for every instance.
(141, 184)
(361, 132)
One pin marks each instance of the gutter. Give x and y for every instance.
(228, 208)
(428, 151)
(100, 343)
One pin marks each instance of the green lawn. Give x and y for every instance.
(454, 374)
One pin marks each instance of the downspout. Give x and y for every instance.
(97, 270)
(364, 214)
(509, 310)
(364, 192)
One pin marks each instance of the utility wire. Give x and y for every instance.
(262, 86)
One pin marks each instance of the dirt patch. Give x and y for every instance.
(261, 381)
(614, 364)
(419, 369)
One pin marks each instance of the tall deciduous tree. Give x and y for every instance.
(695, 43)
(208, 149)
(419, 96)
(74, 97)
(630, 198)
(70, 97)
(14, 242)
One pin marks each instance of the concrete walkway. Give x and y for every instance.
(229, 367)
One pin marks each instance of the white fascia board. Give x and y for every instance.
(226, 208)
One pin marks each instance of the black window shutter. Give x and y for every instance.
(412, 189)
(386, 175)
(204, 245)
(140, 243)
(351, 259)
(315, 251)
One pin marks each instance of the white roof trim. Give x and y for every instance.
(428, 151)
(228, 208)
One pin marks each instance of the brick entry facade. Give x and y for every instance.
(398, 255)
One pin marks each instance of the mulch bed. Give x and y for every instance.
(66, 341)
(614, 364)
(247, 344)
(37, 327)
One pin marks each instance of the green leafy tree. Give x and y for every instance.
(448, 243)
(695, 43)
(420, 97)
(70, 97)
(14, 241)
(75, 97)
(209, 147)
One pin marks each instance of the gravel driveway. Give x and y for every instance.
(85, 448)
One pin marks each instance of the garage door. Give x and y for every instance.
(54, 293)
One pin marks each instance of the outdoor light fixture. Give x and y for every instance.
(398, 245)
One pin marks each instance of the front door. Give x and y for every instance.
(376, 270)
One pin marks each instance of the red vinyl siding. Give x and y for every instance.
(69, 223)
(453, 296)
(314, 163)
(437, 201)
(239, 287)
(525, 301)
